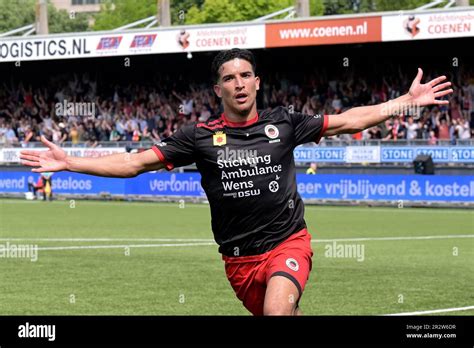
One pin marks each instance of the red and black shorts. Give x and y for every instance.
(249, 275)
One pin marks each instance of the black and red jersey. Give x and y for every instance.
(248, 174)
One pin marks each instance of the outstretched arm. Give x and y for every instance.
(121, 165)
(357, 119)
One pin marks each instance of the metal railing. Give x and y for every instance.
(325, 142)
(403, 142)
(128, 144)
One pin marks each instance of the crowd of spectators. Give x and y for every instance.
(143, 112)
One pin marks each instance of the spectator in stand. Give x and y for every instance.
(395, 130)
(63, 133)
(114, 135)
(420, 131)
(204, 113)
(3, 131)
(374, 133)
(39, 186)
(43, 185)
(313, 167)
(456, 112)
(466, 101)
(30, 136)
(357, 136)
(337, 104)
(442, 122)
(411, 128)
(310, 107)
(90, 135)
(136, 135)
(103, 129)
(20, 130)
(55, 134)
(453, 132)
(74, 134)
(462, 129)
(186, 106)
(432, 140)
(146, 135)
(10, 135)
(31, 111)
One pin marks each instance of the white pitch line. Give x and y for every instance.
(108, 239)
(79, 247)
(78, 203)
(392, 238)
(446, 310)
(211, 240)
(394, 209)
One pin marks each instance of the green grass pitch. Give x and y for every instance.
(167, 263)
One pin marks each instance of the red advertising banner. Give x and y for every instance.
(324, 32)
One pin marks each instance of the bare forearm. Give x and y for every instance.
(364, 117)
(121, 165)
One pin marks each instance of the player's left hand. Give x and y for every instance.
(426, 94)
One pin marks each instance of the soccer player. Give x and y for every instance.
(245, 158)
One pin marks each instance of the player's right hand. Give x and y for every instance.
(52, 160)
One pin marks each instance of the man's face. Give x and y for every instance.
(237, 86)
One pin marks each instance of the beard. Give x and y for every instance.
(243, 111)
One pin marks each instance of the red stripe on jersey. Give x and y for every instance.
(215, 121)
(203, 125)
(238, 124)
(323, 130)
(162, 158)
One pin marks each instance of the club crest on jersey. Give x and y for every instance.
(271, 131)
(219, 139)
(292, 264)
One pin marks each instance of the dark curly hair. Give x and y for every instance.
(224, 56)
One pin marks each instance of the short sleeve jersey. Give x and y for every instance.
(248, 174)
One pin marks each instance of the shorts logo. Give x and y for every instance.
(292, 264)
(271, 131)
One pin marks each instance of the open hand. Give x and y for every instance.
(52, 160)
(426, 94)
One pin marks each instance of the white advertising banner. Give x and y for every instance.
(363, 154)
(212, 39)
(404, 27)
(12, 155)
(123, 44)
